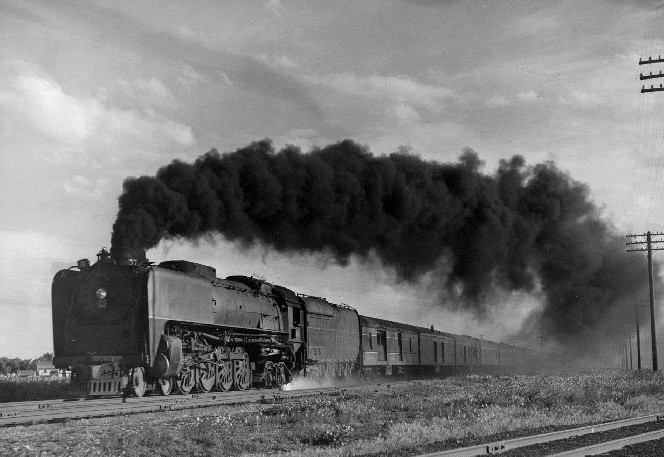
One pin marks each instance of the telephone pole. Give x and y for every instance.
(638, 337)
(641, 245)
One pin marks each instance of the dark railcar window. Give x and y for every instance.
(442, 351)
(381, 342)
(368, 341)
(399, 338)
(435, 352)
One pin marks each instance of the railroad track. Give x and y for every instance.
(589, 440)
(578, 442)
(34, 412)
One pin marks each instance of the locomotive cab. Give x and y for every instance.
(295, 317)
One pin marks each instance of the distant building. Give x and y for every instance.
(25, 373)
(46, 368)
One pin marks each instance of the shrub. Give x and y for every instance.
(32, 389)
(326, 434)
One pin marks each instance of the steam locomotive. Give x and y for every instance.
(126, 326)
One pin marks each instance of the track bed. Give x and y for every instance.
(407, 419)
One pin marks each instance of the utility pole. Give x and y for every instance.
(649, 242)
(646, 246)
(638, 337)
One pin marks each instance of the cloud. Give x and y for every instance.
(398, 89)
(583, 99)
(31, 99)
(181, 44)
(384, 102)
(430, 140)
(150, 92)
(497, 101)
(43, 105)
(278, 61)
(189, 77)
(80, 186)
(528, 97)
(305, 139)
(406, 113)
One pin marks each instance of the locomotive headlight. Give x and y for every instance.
(101, 293)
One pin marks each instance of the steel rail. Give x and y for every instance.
(498, 447)
(119, 406)
(21, 413)
(614, 445)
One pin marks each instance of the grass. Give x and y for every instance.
(406, 420)
(23, 389)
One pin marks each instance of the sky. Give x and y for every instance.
(93, 92)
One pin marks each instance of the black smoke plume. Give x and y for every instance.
(521, 228)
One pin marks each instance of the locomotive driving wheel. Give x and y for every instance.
(268, 375)
(206, 377)
(165, 386)
(281, 374)
(138, 384)
(241, 371)
(224, 379)
(186, 380)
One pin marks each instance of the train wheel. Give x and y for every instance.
(138, 385)
(186, 380)
(282, 374)
(224, 379)
(165, 386)
(268, 375)
(241, 373)
(206, 377)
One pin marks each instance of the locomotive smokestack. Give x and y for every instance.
(128, 256)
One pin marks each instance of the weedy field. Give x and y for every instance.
(32, 389)
(405, 420)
